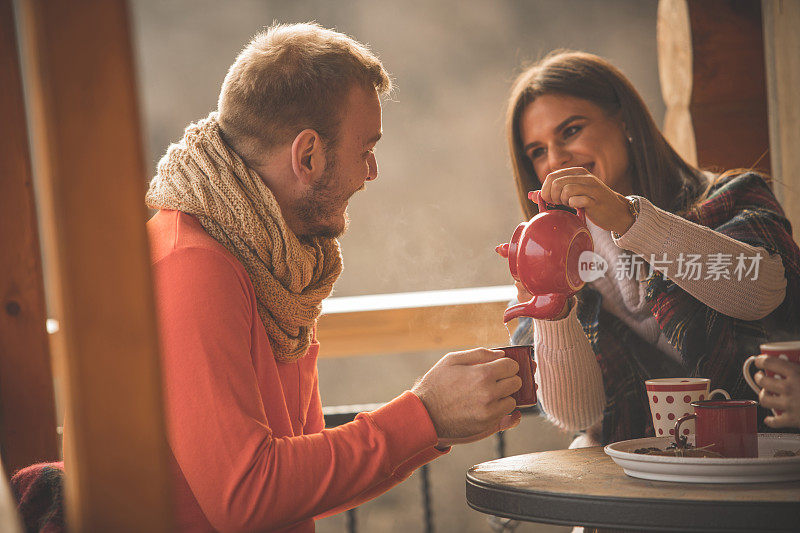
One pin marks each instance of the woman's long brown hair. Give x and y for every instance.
(659, 173)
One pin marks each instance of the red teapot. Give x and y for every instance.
(544, 255)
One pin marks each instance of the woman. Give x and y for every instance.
(726, 273)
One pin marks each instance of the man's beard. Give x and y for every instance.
(319, 208)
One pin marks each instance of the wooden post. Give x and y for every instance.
(711, 63)
(674, 38)
(27, 411)
(88, 152)
(782, 51)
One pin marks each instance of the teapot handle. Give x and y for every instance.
(536, 196)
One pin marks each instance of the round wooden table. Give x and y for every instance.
(584, 487)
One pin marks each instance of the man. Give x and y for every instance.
(244, 251)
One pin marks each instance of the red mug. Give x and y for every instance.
(523, 355)
(728, 427)
(788, 351)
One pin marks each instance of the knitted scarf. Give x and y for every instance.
(203, 177)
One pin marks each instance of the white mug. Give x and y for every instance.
(671, 398)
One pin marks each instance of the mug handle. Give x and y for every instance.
(750, 381)
(746, 373)
(719, 391)
(680, 440)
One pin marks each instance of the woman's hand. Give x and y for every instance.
(577, 187)
(781, 394)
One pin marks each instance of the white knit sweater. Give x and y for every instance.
(570, 382)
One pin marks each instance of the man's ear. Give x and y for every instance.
(308, 156)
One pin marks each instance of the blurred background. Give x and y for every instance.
(445, 195)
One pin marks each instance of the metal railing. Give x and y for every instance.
(342, 414)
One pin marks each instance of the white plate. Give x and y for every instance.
(765, 467)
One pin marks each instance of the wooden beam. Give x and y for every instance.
(425, 321)
(27, 411)
(782, 52)
(88, 151)
(723, 104)
(674, 36)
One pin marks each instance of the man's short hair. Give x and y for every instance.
(291, 77)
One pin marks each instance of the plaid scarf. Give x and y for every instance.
(711, 344)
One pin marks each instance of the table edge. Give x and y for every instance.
(639, 513)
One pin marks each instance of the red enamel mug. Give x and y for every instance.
(728, 427)
(523, 355)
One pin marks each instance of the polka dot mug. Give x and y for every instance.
(788, 351)
(671, 398)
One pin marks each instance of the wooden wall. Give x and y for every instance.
(711, 64)
(782, 52)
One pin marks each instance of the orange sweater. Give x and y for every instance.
(250, 452)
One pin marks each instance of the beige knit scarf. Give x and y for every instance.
(202, 176)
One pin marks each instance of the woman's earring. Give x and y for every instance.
(630, 139)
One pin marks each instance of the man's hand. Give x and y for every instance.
(468, 395)
(781, 394)
(577, 187)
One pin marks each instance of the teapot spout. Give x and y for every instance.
(502, 249)
(544, 306)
